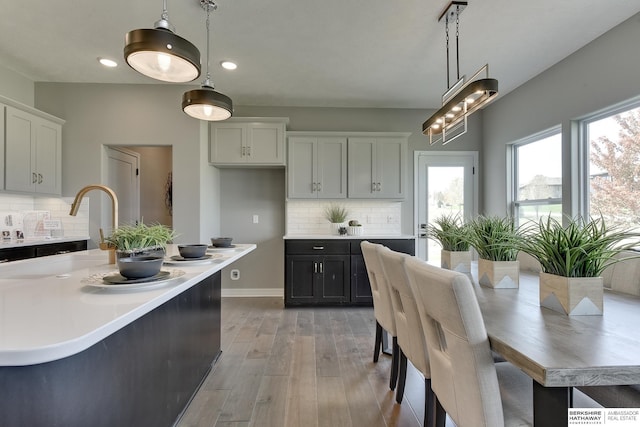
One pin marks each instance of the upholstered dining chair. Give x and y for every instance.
(382, 308)
(411, 339)
(468, 385)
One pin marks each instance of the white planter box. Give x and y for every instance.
(574, 296)
(499, 274)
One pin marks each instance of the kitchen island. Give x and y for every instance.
(75, 353)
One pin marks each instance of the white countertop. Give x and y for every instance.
(335, 236)
(48, 311)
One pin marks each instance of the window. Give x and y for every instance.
(537, 177)
(612, 177)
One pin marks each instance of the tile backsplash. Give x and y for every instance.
(26, 213)
(306, 217)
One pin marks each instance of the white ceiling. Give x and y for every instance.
(340, 53)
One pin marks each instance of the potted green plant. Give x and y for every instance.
(337, 215)
(572, 258)
(131, 240)
(453, 236)
(497, 241)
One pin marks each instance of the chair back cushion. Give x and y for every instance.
(379, 289)
(408, 325)
(463, 375)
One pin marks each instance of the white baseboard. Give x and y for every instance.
(253, 292)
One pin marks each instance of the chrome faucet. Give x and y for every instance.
(114, 213)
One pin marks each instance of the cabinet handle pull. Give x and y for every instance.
(34, 178)
(378, 187)
(319, 186)
(318, 248)
(39, 178)
(244, 151)
(315, 267)
(313, 187)
(249, 151)
(373, 186)
(321, 272)
(62, 252)
(2, 261)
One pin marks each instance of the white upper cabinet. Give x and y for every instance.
(248, 141)
(316, 167)
(33, 153)
(376, 167)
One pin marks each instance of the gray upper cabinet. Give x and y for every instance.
(376, 167)
(248, 141)
(317, 166)
(33, 152)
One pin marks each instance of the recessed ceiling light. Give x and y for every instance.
(228, 65)
(108, 62)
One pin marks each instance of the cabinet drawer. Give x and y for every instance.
(406, 246)
(320, 247)
(60, 248)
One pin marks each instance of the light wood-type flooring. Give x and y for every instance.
(301, 367)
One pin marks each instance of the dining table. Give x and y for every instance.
(559, 351)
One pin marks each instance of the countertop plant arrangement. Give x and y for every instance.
(450, 232)
(134, 238)
(336, 213)
(581, 248)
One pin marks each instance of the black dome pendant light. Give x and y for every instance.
(205, 103)
(161, 54)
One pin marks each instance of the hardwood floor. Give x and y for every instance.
(301, 367)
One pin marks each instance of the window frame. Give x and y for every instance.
(512, 159)
(584, 147)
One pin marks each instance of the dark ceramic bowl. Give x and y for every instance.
(221, 242)
(139, 267)
(192, 251)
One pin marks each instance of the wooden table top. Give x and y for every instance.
(557, 350)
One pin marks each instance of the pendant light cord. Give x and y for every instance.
(208, 5)
(457, 38)
(446, 29)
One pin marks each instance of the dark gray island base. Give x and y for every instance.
(142, 375)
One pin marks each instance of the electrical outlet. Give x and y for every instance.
(235, 274)
(256, 219)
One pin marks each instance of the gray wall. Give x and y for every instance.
(101, 114)
(16, 87)
(248, 192)
(601, 74)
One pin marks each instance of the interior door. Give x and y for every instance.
(124, 179)
(445, 183)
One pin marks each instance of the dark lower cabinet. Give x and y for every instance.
(331, 272)
(25, 252)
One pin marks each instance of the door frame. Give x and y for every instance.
(105, 169)
(416, 183)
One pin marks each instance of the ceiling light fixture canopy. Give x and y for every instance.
(205, 103)
(463, 97)
(161, 54)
